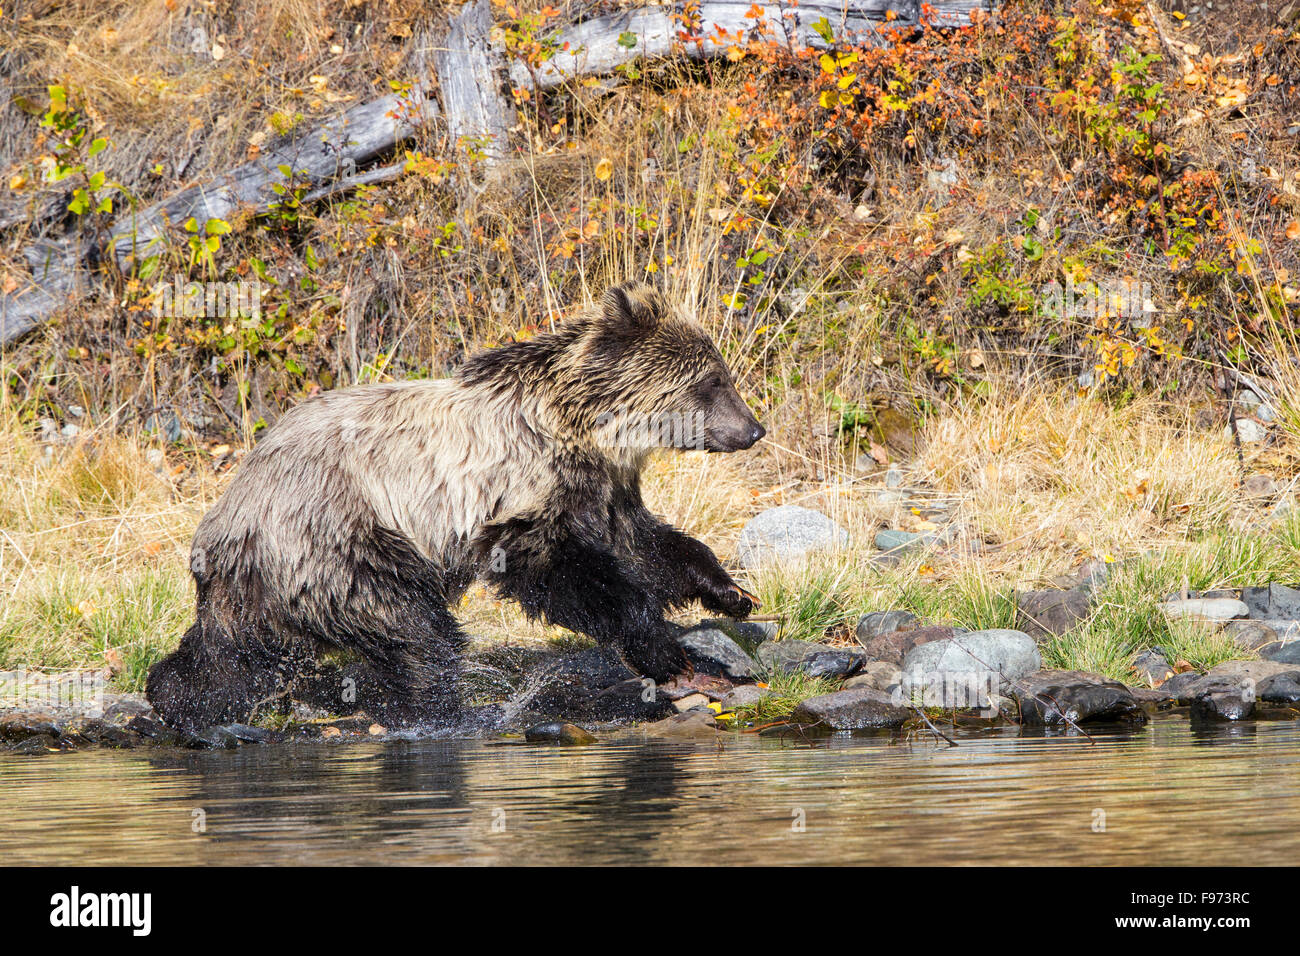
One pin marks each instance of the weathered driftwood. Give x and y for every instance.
(470, 73)
(470, 76)
(330, 153)
(594, 46)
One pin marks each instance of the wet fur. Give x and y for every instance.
(365, 513)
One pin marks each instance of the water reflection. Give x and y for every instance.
(1171, 793)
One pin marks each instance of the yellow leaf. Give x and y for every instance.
(827, 63)
(846, 81)
(604, 169)
(827, 99)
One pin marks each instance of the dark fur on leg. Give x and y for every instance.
(559, 577)
(683, 569)
(210, 679)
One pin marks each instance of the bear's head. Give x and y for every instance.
(653, 378)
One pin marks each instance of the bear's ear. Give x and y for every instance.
(633, 307)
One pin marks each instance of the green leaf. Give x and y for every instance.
(98, 145)
(822, 27)
(217, 227)
(627, 40)
(78, 203)
(105, 205)
(96, 182)
(191, 225)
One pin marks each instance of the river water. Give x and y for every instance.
(1170, 793)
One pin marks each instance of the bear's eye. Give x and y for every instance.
(716, 382)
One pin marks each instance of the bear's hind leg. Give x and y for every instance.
(212, 679)
(409, 669)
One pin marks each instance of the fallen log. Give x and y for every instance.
(331, 152)
(470, 71)
(603, 44)
(470, 74)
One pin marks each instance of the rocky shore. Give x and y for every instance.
(900, 674)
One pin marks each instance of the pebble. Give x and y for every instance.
(558, 732)
(787, 533)
(815, 660)
(878, 623)
(1051, 697)
(859, 708)
(1206, 609)
(963, 671)
(713, 652)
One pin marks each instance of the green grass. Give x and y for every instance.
(70, 620)
(810, 598)
(785, 690)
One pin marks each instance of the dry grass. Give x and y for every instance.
(94, 540)
(1036, 477)
(94, 551)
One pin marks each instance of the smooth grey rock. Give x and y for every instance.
(1249, 431)
(1050, 697)
(1179, 686)
(860, 708)
(748, 634)
(878, 675)
(21, 725)
(120, 708)
(713, 652)
(1280, 689)
(1222, 705)
(210, 738)
(894, 647)
(1249, 634)
(897, 542)
(248, 734)
(787, 533)
(1153, 665)
(815, 660)
(962, 671)
(1206, 609)
(884, 622)
(746, 695)
(1258, 486)
(1270, 681)
(1046, 614)
(1282, 652)
(558, 732)
(691, 702)
(693, 723)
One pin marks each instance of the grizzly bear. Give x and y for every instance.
(365, 513)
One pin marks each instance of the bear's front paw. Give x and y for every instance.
(660, 660)
(732, 600)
